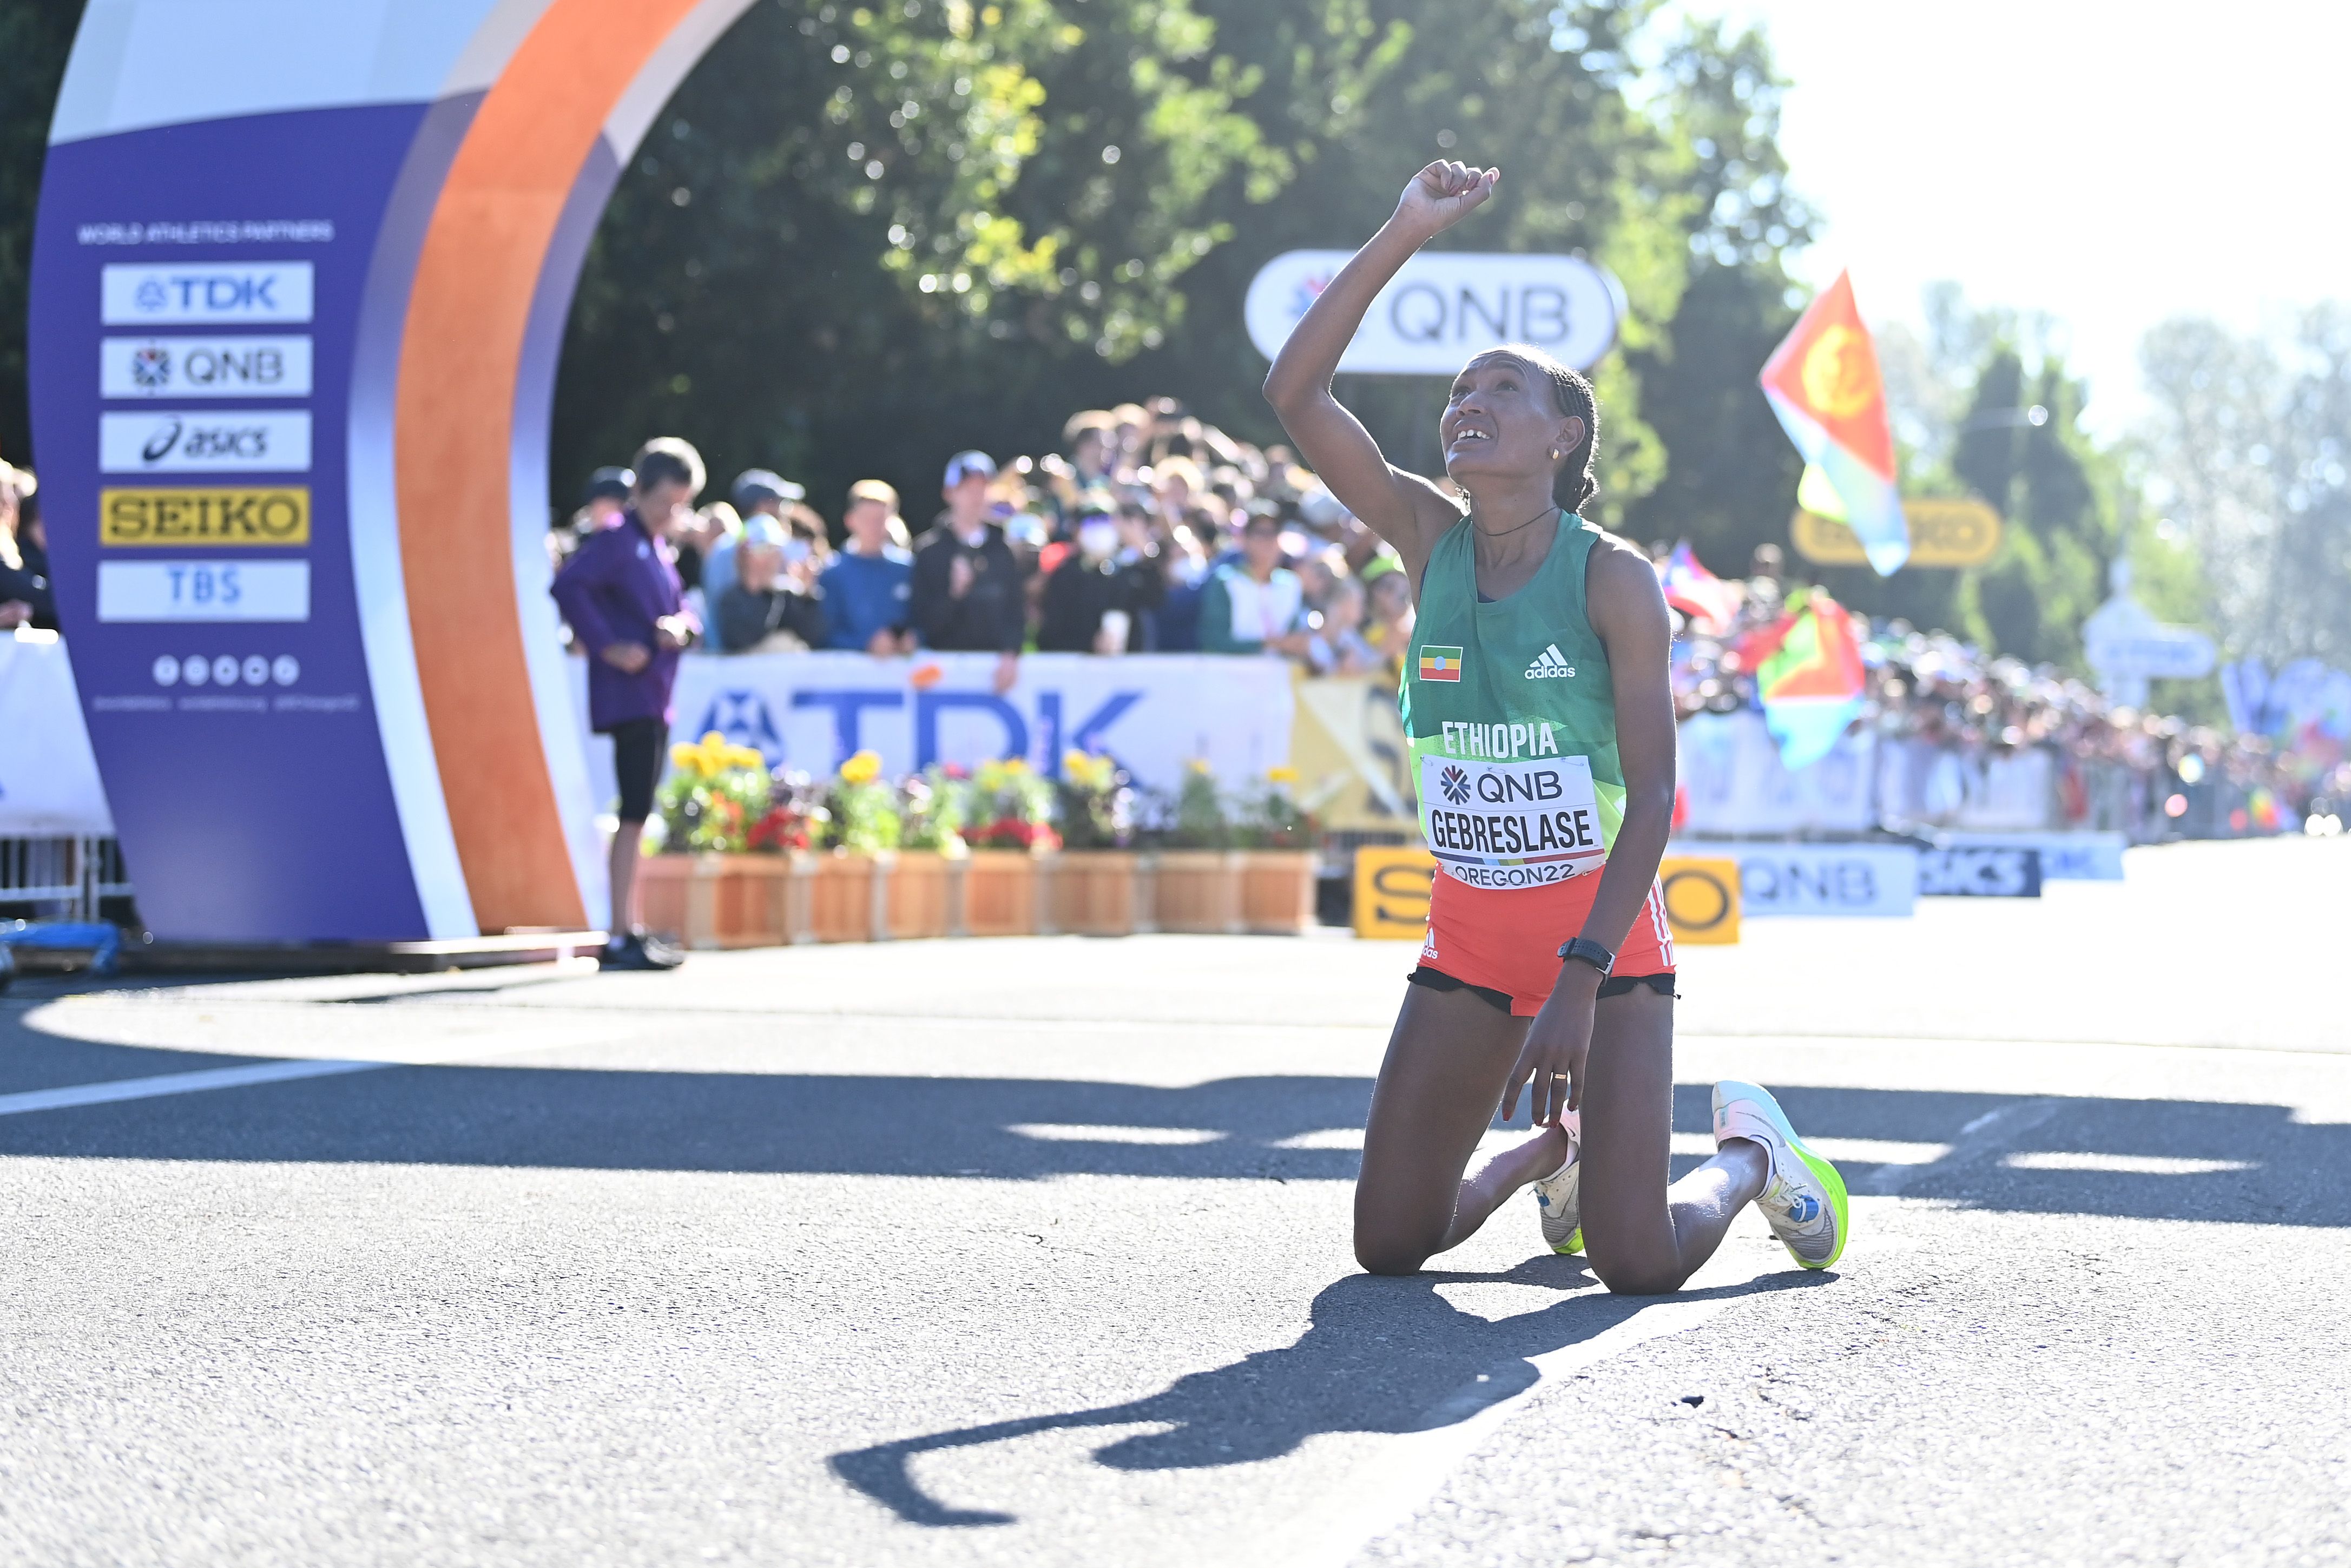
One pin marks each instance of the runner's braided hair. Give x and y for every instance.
(1573, 484)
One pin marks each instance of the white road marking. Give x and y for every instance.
(1988, 1134)
(1065, 1132)
(176, 1083)
(1393, 1485)
(2119, 1164)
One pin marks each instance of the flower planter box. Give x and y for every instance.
(1094, 893)
(918, 893)
(721, 901)
(1277, 891)
(841, 897)
(1197, 891)
(999, 893)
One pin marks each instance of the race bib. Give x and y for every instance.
(1511, 824)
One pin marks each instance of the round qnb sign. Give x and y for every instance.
(1445, 305)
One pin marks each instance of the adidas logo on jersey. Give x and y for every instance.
(1550, 665)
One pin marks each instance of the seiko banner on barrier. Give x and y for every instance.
(1155, 713)
(1393, 885)
(1983, 873)
(1879, 880)
(48, 779)
(1734, 785)
(1444, 306)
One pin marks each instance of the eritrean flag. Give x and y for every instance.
(1808, 674)
(1824, 385)
(1710, 603)
(1439, 663)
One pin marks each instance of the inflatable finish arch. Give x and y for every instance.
(299, 282)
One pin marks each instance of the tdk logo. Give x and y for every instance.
(1550, 665)
(261, 291)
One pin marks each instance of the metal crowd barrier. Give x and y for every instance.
(64, 878)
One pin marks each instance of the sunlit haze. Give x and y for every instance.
(2110, 165)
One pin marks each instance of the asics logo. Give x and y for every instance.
(1550, 665)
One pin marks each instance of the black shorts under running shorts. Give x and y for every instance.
(1614, 985)
(638, 748)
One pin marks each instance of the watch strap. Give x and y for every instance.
(1584, 950)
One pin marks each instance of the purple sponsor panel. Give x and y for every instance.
(242, 759)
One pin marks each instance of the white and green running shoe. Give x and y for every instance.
(1804, 1198)
(1557, 1195)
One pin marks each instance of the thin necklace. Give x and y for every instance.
(1506, 533)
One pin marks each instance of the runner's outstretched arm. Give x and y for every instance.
(1403, 509)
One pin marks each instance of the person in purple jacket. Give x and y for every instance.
(621, 593)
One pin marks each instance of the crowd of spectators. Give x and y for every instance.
(1151, 531)
(2117, 767)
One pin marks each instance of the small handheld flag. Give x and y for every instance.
(1809, 675)
(1710, 603)
(1823, 383)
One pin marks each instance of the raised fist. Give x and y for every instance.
(1442, 195)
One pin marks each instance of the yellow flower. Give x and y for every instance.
(862, 768)
(1075, 761)
(1016, 765)
(1281, 775)
(706, 759)
(1200, 764)
(744, 757)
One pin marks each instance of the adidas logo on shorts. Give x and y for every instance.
(1550, 665)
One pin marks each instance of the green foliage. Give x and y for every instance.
(1267, 816)
(1199, 821)
(864, 817)
(933, 811)
(1095, 802)
(1009, 806)
(711, 812)
(1731, 480)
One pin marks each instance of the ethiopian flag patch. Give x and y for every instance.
(1440, 663)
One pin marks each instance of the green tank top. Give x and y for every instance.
(1511, 720)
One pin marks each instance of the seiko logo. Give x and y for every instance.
(1550, 665)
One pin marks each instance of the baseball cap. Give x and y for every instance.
(874, 490)
(613, 483)
(756, 484)
(760, 530)
(965, 463)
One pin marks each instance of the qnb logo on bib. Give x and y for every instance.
(1512, 824)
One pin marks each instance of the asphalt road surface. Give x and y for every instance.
(1036, 1253)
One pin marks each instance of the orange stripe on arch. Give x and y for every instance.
(461, 357)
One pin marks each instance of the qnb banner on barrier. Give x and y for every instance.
(1155, 713)
(1872, 880)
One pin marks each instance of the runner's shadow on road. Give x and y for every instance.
(1380, 1355)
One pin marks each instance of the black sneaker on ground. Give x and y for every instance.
(632, 952)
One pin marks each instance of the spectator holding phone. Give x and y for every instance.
(620, 594)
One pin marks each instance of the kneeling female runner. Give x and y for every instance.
(1541, 725)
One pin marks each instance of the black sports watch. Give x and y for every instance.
(1584, 950)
